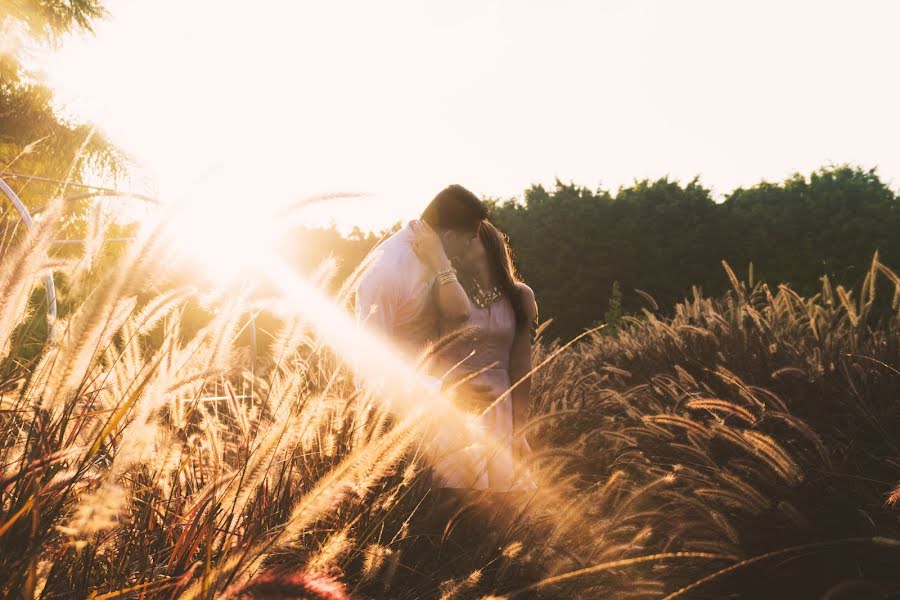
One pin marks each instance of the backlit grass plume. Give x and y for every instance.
(143, 454)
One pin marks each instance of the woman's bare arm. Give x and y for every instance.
(520, 359)
(452, 301)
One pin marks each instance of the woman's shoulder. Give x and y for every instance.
(528, 301)
(525, 290)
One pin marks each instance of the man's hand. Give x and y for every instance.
(427, 246)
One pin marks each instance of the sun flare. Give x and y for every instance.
(647, 347)
(223, 245)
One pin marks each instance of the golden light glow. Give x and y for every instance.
(401, 99)
(224, 241)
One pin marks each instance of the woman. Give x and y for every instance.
(493, 354)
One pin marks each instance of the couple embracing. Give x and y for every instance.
(449, 277)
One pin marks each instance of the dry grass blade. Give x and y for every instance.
(794, 549)
(617, 564)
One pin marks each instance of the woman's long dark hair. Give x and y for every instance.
(500, 260)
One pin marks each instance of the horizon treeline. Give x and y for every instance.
(574, 245)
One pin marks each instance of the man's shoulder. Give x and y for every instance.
(395, 250)
(393, 260)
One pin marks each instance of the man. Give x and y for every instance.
(396, 295)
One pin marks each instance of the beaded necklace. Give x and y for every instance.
(484, 298)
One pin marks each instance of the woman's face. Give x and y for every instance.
(474, 255)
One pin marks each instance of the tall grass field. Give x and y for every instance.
(742, 446)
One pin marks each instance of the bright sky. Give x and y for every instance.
(264, 101)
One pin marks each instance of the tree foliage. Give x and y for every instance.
(592, 256)
(662, 238)
(34, 139)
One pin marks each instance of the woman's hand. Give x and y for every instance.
(427, 246)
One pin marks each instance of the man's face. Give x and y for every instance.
(456, 243)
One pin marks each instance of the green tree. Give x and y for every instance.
(663, 237)
(34, 139)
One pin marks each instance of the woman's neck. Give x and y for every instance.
(482, 275)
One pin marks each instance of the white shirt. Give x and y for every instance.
(395, 295)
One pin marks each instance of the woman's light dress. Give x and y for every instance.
(486, 460)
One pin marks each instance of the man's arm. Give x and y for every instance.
(376, 303)
(377, 300)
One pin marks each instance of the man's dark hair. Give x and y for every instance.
(455, 208)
